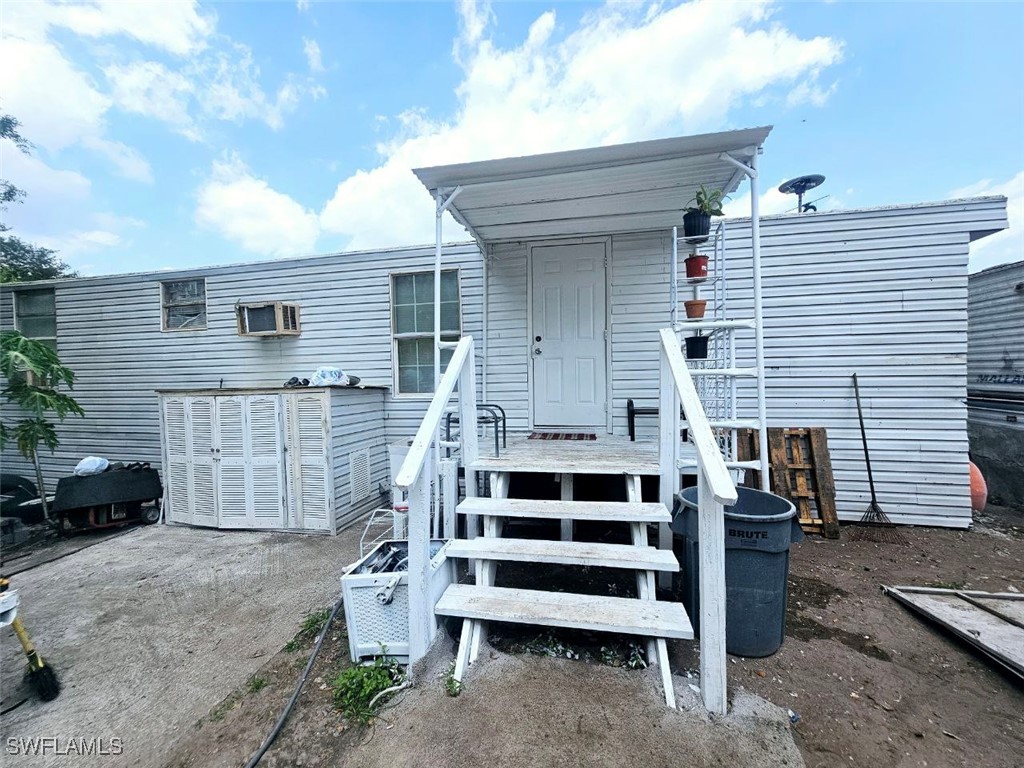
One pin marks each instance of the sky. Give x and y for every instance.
(177, 134)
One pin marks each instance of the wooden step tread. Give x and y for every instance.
(565, 553)
(597, 613)
(608, 511)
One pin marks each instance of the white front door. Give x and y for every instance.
(568, 344)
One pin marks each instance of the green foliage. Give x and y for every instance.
(451, 685)
(355, 687)
(20, 261)
(256, 684)
(33, 373)
(707, 201)
(314, 623)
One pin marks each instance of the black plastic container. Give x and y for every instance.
(697, 347)
(759, 530)
(696, 226)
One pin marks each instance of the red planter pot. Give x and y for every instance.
(696, 268)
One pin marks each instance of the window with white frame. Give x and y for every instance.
(412, 327)
(35, 315)
(183, 304)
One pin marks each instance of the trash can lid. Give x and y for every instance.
(752, 506)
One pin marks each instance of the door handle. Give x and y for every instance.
(536, 350)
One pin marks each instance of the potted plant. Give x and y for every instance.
(696, 268)
(697, 219)
(697, 347)
(695, 308)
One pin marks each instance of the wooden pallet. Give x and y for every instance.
(801, 471)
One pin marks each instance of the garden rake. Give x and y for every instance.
(875, 525)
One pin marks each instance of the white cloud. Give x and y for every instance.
(302, 5)
(151, 89)
(175, 26)
(129, 163)
(59, 114)
(244, 209)
(628, 72)
(312, 50)
(1006, 246)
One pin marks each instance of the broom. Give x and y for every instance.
(875, 525)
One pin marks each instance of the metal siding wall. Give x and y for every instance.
(357, 423)
(507, 342)
(995, 335)
(108, 332)
(881, 292)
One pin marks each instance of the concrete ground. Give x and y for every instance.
(150, 630)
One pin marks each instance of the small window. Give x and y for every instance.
(412, 325)
(35, 315)
(184, 305)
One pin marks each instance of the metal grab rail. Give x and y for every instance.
(715, 488)
(419, 474)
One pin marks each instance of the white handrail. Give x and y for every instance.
(421, 444)
(420, 473)
(709, 456)
(715, 488)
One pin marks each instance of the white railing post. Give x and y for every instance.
(419, 475)
(421, 613)
(711, 535)
(470, 449)
(715, 488)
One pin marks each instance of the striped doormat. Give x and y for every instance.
(562, 436)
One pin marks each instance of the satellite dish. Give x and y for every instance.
(798, 186)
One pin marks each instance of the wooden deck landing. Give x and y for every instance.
(608, 455)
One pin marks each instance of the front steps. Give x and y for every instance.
(481, 602)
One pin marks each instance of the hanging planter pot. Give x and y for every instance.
(697, 347)
(696, 226)
(696, 268)
(695, 308)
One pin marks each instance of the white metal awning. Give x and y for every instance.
(623, 188)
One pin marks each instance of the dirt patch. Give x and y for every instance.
(873, 684)
(315, 734)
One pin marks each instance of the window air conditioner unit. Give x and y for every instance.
(268, 318)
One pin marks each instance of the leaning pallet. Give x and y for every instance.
(801, 471)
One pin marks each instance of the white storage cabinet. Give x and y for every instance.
(310, 459)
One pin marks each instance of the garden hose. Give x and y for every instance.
(255, 759)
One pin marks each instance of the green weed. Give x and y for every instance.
(256, 684)
(355, 687)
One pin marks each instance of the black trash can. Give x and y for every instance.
(759, 529)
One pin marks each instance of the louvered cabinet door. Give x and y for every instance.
(202, 480)
(265, 481)
(233, 487)
(308, 464)
(175, 428)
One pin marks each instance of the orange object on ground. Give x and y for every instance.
(979, 489)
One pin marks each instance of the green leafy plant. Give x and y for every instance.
(256, 684)
(451, 685)
(34, 376)
(312, 625)
(707, 201)
(356, 688)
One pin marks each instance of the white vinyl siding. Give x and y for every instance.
(346, 321)
(412, 321)
(882, 292)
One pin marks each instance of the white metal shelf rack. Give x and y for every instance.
(716, 376)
